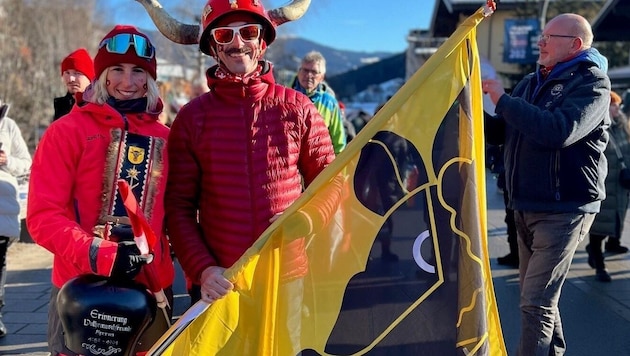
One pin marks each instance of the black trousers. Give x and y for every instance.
(4, 246)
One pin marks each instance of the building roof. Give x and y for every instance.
(447, 13)
(608, 26)
(611, 24)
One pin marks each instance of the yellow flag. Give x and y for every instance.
(386, 251)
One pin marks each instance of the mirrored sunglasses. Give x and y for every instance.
(120, 43)
(225, 35)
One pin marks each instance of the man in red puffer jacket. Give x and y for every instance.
(239, 152)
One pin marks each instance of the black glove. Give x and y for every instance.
(121, 233)
(128, 261)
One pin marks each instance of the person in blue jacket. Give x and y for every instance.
(554, 130)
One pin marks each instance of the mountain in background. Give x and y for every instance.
(347, 72)
(370, 78)
(287, 51)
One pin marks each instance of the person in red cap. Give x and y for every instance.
(112, 134)
(242, 150)
(77, 71)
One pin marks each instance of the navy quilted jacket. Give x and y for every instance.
(554, 132)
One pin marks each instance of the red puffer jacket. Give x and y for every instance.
(238, 155)
(66, 190)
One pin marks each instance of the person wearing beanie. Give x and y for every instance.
(112, 134)
(608, 224)
(77, 71)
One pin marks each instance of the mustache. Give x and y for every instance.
(243, 50)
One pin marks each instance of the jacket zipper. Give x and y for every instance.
(556, 174)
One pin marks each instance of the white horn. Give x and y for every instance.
(172, 29)
(290, 12)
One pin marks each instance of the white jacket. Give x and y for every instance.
(18, 163)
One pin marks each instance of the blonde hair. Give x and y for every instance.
(101, 95)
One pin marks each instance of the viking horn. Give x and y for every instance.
(189, 34)
(172, 29)
(290, 12)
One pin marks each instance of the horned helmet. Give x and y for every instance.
(218, 9)
(214, 10)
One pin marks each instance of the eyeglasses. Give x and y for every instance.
(545, 38)
(225, 35)
(310, 71)
(120, 43)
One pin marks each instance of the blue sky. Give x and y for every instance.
(359, 25)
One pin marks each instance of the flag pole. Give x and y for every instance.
(200, 307)
(180, 325)
(141, 229)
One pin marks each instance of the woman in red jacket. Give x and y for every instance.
(74, 210)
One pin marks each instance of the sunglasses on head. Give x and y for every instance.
(225, 35)
(120, 43)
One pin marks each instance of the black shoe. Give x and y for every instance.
(510, 260)
(613, 246)
(602, 275)
(3, 329)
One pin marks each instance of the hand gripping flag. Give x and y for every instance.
(392, 234)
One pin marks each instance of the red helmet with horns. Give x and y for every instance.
(216, 9)
(188, 34)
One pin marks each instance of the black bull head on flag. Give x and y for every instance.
(413, 263)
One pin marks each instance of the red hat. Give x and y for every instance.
(104, 58)
(216, 9)
(79, 60)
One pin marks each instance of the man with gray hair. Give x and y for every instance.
(310, 81)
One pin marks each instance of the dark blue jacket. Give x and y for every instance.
(554, 131)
